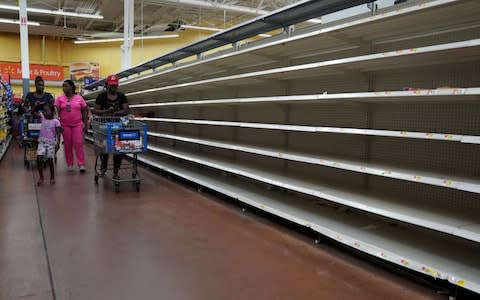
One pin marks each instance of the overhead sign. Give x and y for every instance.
(48, 72)
(84, 73)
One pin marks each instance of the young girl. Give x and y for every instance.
(48, 142)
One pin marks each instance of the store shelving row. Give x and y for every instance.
(443, 180)
(4, 146)
(463, 51)
(393, 24)
(364, 129)
(421, 250)
(460, 94)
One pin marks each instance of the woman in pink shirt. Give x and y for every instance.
(72, 110)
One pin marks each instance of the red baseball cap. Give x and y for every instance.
(112, 80)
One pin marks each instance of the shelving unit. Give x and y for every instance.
(5, 136)
(366, 130)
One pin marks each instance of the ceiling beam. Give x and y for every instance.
(219, 6)
(60, 4)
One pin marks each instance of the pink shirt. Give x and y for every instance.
(49, 127)
(74, 116)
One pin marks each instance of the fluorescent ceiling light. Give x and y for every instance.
(121, 39)
(315, 21)
(201, 28)
(52, 12)
(10, 21)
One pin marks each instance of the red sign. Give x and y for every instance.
(48, 72)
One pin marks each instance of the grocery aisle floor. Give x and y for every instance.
(166, 242)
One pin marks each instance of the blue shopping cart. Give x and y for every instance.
(119, 136)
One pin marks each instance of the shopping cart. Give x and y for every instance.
(119, 136)
(30, 129)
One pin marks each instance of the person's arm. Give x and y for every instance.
(58, 130)
(57, 104)
(27, 103)
(123, 111)
(51, 100)
(124, 105)
(98, 110)
(84, 108)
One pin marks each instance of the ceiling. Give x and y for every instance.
(152, 17)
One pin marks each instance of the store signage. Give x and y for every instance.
(48, 72)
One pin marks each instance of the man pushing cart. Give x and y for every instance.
(115, 133)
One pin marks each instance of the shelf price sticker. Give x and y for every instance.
(448, 136)
(430, 271)
(339, 238)
(417, 177)
(461, 282)
(429, 135)
(447, 182)
(356, 244)
(382, 254)
(403, 133)
(404, 262)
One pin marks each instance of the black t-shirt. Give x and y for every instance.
(31, 98)
(106, 103)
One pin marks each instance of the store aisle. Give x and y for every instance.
(166, 242)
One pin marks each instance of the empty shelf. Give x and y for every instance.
(390, 23)
(437, 54)
(318, 129)
(453, 182)
(459, 94)
(457, 261)
(461, 224)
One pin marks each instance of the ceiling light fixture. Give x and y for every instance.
(315, 21)
(10, 21)
(167, 36)
(52, 12)
(201, 28)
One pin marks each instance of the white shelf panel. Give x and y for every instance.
(438, 256)
(459, 94)
(470, 139)
(436, 54)
(453, 182)
(388, 23)
(463, 224)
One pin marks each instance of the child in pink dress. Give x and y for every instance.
(48, 142)
(72, 109)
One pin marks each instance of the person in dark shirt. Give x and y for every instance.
(111, 103)
(36, 100)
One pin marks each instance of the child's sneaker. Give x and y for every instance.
(82, 169)
(70, 168)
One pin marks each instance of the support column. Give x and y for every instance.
(127, 34)
(24, 46)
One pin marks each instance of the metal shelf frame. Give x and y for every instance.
(282, 18)
(467, 50)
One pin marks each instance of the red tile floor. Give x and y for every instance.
(165, 242)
